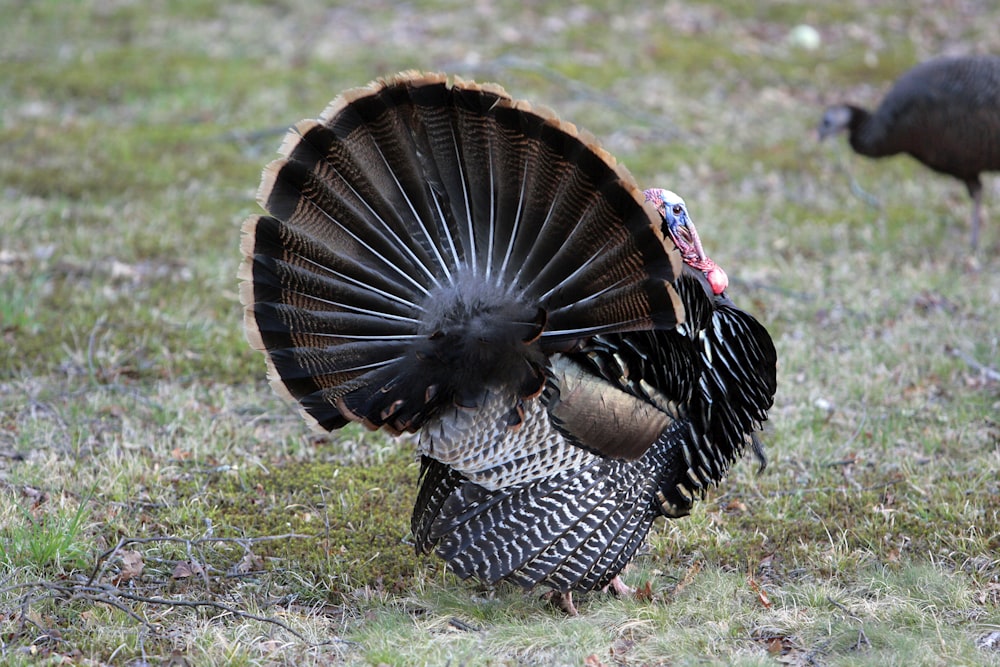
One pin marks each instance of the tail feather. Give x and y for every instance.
(460, 229)
(292, 268)
(342, 312)
(364, 223)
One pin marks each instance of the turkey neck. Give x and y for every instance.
(868, 134)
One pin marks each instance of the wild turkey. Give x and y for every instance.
(944, 112)
(441, 259)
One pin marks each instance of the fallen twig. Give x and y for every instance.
(989, 372)
(212, 604)
(458, 623)
(244, 542)
(862, 640)
(115, 597)
(864, 195)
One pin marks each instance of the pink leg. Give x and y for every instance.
(619, 587)
(562, 600)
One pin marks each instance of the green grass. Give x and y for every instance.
(134, 416)
(49, 542)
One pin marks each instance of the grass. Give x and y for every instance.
(46, 543)
(135, 419)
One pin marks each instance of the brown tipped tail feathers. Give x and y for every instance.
(438, 258)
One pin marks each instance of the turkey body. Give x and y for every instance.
(441, 259)
(944, 112)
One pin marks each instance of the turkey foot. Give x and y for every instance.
(562, 600)
(619, 587)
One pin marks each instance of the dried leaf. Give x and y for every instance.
(688, 577)
(270, 646)
(620, 649)
(781, 647)
(185, 569)
(645, 592)
(250, 562)
(132, 566)
(35, 495)
(761, 593)
(177, 659)
(990, 594)
(928, 301)
(736, 506)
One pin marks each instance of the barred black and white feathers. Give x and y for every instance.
(439, 258)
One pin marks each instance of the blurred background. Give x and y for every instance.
(134, 133)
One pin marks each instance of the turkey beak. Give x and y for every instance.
(824, 130)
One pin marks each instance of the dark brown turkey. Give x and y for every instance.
(441, 259)
(944, 112)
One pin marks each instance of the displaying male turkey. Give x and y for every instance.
(944, 112)
(441, 259)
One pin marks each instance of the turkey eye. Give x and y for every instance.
(677, 209)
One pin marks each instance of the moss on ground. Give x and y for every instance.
(355, 519)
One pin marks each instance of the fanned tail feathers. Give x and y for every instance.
(427, 240)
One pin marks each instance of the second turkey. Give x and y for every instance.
(944, 112)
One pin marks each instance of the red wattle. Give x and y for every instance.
(718, 279)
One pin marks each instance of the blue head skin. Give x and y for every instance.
(678, 225)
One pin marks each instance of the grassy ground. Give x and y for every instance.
(159, 505)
